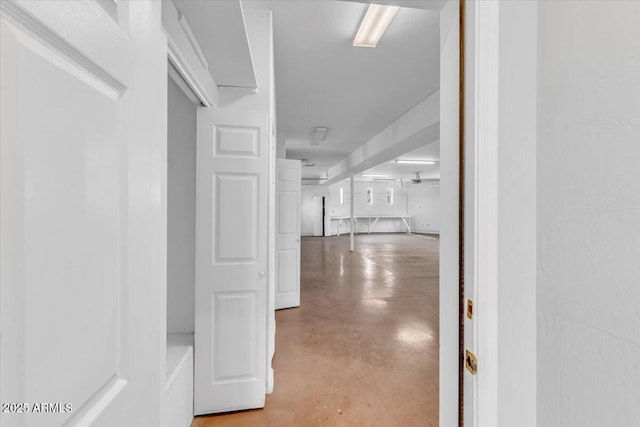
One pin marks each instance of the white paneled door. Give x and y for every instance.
(288, 191)
(231, 260)
(73, 74)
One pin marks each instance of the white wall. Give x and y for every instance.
(421, 202)
(379, 206)
(516, 217)
(181, 211)
(449, 84)
(589, 214)
(424, 208)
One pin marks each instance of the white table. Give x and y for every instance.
(405, 218)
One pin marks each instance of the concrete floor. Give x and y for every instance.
(362, 349)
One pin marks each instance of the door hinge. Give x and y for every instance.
(470, 362)
(469, 309)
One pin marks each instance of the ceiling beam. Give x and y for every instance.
(434, 5)
(417, 127)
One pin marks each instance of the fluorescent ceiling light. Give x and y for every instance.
(374, 24)
(374, 175)
(415, 162)
(320, 134)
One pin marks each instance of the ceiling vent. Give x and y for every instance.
(319, 135)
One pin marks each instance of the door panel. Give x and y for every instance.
(234, 336)
(287, 279)
(63, 306)
(287, 208)
(235, 223)
(231, 260)
(288, 192)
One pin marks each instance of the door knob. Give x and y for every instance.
(261, 274)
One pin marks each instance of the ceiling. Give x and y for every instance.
(323, 81)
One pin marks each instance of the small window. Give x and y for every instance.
(369, 196)
(341, 196)
(389, 196)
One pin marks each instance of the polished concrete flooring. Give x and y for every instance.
(362, 349)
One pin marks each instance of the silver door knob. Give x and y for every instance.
(261, 274)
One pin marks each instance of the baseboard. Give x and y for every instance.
(437, 232)
(362, 233)
(270, 381)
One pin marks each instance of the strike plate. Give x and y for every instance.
(470, 362)
(469, 309)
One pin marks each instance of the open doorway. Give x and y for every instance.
(312, 212)
(294, 151)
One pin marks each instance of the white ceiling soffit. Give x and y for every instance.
(417, 127)
(397, 171)
(220, 30)
(435, 5)
(323, 81)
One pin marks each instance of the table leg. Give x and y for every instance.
(374, 222)
(407, 224)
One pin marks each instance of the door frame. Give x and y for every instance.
(478, 209)
(501, 110)
(469, 170)
(474, 229)
(461, 210)
(181, 53)
(184, 53)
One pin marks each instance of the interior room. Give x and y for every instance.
(290, 213)
(358, 93)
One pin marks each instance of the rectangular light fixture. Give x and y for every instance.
(374, 24)
(320, 134)
(374, 175)
(415, 162)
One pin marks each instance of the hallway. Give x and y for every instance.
(362, 349)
